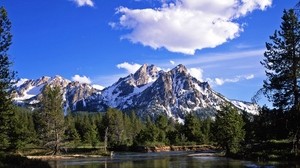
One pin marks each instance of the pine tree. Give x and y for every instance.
(282, 63)
(228, 129)
(6, 80)
(136, 126)
(90, 133)
(192, 128)
(71, 133)
(23, 132)
(51, 118)
(113, 119)
(149, 134)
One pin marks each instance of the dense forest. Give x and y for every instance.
(272, 134)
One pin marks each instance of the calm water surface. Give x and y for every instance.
(165, 160)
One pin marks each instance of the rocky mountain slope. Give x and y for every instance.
(148, 91)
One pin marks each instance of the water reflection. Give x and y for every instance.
(164, 160)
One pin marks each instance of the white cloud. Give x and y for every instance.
(249, 77)
(187, 25)
(218, 57)
(221, 81)
(196, 73)
(81, 79)
(130, 68)
(172, 62)
(84, 3)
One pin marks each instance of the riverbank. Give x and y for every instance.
(63, 157)
(183, 148)
(165, 148)
(73, 153)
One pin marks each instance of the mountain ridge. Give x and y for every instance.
(149, 91)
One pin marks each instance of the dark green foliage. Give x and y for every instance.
(270, 124)
(86, 127)
(192, 128)
(282, 64)
(23, 132)
(149, 134)
(71, 133)
(176, 134)
(228, 129)
(249, 127)
(161, 123)
(6, 80)
(91, 134)
(136, 126)
(206, 130)
(50, 119)
(114, 121)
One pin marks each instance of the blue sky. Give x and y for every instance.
(99, 41)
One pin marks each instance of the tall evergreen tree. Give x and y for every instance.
(148, 134)
(6, 80)
(71, 133)
(228, 129)
(23, 132)
(135, 127)
(192, 128)
(51, 118)
(282, 63)
(113, 120)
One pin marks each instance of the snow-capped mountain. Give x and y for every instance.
(121, 92)
(29, 92)
(149, 91)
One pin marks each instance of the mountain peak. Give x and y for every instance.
(57, 77)
(145, 74)
(180, 69)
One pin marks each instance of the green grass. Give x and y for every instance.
(269, 150)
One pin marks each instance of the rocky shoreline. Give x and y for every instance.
(200, 149)
(62, 157)
(175, 148)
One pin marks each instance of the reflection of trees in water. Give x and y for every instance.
(162, 161)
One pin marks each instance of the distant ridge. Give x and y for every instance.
(149, 91)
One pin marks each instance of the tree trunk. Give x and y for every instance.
(105, 139)
(56, 148)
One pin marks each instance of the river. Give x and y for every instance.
(165, 160)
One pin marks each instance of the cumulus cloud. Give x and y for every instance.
(130, 68)
(172, 62)
(196, 73)
(84, 3)
(221, 81)
(249, 77)
(186, 25)
(81, 79)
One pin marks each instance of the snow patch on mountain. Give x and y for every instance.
(21, 82)
(246, 106)
(98, 87)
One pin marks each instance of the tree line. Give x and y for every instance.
(230, 129)
(52, 130)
